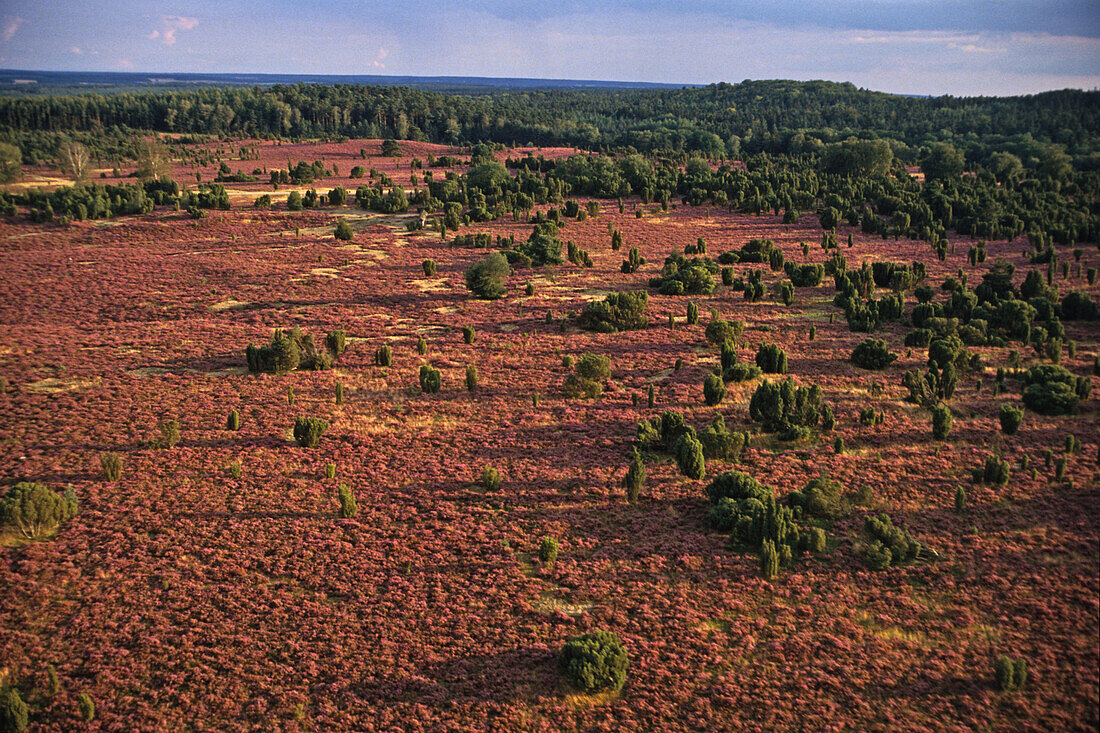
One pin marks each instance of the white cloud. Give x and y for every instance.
(11, 25)
(382, 54)
(77, 50)
(170, 26)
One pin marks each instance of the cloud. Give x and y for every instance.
(77, 50)
(11, 25)
(170, 25)
(382, 54)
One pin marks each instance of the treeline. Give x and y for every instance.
(722, 120)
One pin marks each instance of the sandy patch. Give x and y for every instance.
(54, 385)
(230, 305)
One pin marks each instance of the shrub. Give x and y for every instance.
(1010, 418)
(769, 560)
(595, 661)
(13, 711)
(348, 506)
(634, 481)
(1078, 306)
(591, 371)
(941, 422)
(692, 312)
(112, 466)
(771, 359)
(781, 406)
(617, 312)
(308, 431)
(86, 706)
(872, 354)
(490, 479)
(294, 350)
(169, 434)
(485, 279)
(995, 471)
(431, 381)
(720, 331)
(633, 261)
(1009, 674)
(339, 393)
(343, 231)
(233, 420)
(714, 389)
(383, 356)
(35, 509)
(548, 550)
(330, 470)
(885, 545)
(960, 500)
(1050, 390)
(821, 497)
(336, 342)
(471, 377)
(429, 268)
(718, 442)
(689, 457)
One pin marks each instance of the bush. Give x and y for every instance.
(336, 342)
(769, 560)
(1077, 306)
(490, 479)
(719, 443)
(1051, 390)
(86, 706)
(112, 466)
(714, 389)
(383, 356)
(548, 550)
(429, 268)
(485, 279)
(233, 420)
(339, 393)
(720, 331)
(35, 509)
(13, 711)
(617, 312)
(343, 231)
(595, 661)
(737, 486)
(308, 431)
(872, 354)
(941, 422)
(689, 457)
(348, 506)
(995, 471)
(771, 359)
(885, 545)
(294, 350)
(634, 481)
(633, 261)
(169, 434)
(1009, 674)
(471, 377)
(1010, 418)
(431, 381)
(781, 406)
(821, 497)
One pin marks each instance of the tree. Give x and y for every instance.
(431, 381)
(714, 389)
(634, 480)
(1010, 418)
(941, 422)
(485, 279)
(11, 163)
(872, 354)
(75, 161)
(943, 161)
(152, 160)
(35, 509)
(595, 661)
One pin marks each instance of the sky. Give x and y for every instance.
(936, 47)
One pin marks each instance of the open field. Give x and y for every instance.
(184, 598)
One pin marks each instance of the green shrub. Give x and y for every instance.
(781, 406)
(872, 354)
(290, 394)
(485, 279)
(339, 393)
(1009, 674)
(330, 470)
(617, 312)
(490, 479)
(169, 434)
(838, 444)
(86, 707)
(429, 268)
(689, 457)
(995, 471)
(431, 381)
(383, 356)
(595, 661)
(112, 466)
(720, 331)
(343, 231)
(1051, 390)
(35, 510)
(714, 389)
(941, 422)
(348, 506)
(771, 359)
(634, 481)
(820, 497)
(421, 345)
(1010, 418)
(718, 442)
(885, 545)
(233, 420)
(308, 431)
(13, 711)
(692, 312)
(586, 382)
(336, 342)
(471, 377)
(633, 262)
(548, 550)
(468, 334)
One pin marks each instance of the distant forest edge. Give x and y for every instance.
(715, 121)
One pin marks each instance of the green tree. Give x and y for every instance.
(11, 163)
(595, 661)
(486, 279)
(35, 509)
(634, 481)
(942, 162)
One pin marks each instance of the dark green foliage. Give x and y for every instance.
(169, 434)
(732, 369)
(780, 407)
(885, 545)
(1051, 390)
(485, 279)
(308, 431)
(634, 481)
(35, 509)
(468, 334)
(995, 471)
(490, 479)
(617, 312)
(1010, 675)
(771, 359)
(719, 443)
(429, 268)
(290, 394)
(343, 230)
(805, 276)
(431, 381)
(651, 397)
(383, 356)
(13, 711)
(548, 550)
(348, 506)
(595, 661)
(294, 350)
(233, 420)
(542, 246)
(586, 382)
(1010, 418)
(838, 444)
(813, 332)
(786, 293)
(769, 560)
(719, 331)
(692, 313)
(828, 419)
(872, 354)
(339, 393)
(1060, 468)
(86, 707)
(112, 466)
(681, 276)
(822, 497)
(633, 262)
(336, 342)
(737, 486)
(1077, 306)
(941, 422)
(421, 345)
(960, 500)
(330, 470)
(471, 377)
(714, 389)
(689, 457)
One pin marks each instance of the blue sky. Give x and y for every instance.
(905, 46)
